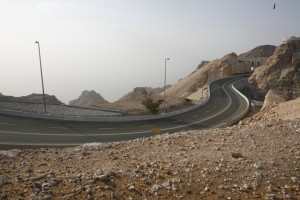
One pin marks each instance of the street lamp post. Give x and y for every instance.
(165, 83)
(42, 77)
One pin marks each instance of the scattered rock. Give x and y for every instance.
(182, 165)
(237, 155)
(155, 188)
(4, 181)
(131, 188)
(294, 179)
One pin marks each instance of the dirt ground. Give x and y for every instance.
(257, 159)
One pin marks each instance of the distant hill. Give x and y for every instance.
(88, 99)
(260, 51)
(139, 93)
(136, 94)
(32, 98)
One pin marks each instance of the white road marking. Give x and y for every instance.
(58, 127)
(182, 126)
(106, 128)
(74, 135)
(40, 134)
(8, 124)
(147, 126)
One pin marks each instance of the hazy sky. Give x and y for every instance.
(113, 46)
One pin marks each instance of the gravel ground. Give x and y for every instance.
(58, 109)
(257, 160)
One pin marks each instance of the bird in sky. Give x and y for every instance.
(274, 6)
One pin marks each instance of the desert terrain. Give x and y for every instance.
(258, 158)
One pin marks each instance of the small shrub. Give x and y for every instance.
(151, 105)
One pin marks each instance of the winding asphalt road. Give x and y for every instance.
(224, 105)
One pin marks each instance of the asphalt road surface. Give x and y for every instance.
(224, 105)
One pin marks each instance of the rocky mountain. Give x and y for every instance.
(260, 51)
(32, 98)
(281, 72)
(88, 99)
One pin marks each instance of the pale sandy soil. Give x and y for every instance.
(286, 111)
(258, 160)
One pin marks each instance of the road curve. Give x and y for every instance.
(224, 105)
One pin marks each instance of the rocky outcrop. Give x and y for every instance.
(230, 65)
(32, 98)
(88, 99)
(296, 84)
(280, 72)
(273, 97)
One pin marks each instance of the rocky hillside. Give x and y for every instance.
(88, 99)
(207, 71)
(32, 98)
(281, 72)
(258, 160)
(229, 65)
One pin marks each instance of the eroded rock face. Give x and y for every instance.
(230, 65)
(281, 71)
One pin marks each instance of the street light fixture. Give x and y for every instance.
(165, 83)
(42, 77)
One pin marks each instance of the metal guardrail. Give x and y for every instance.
(231, 121)
(247, 100)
